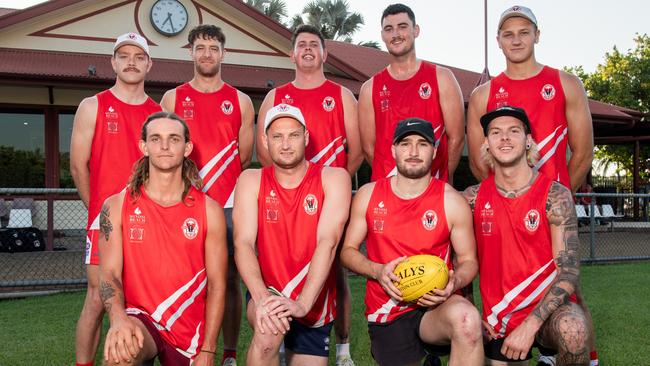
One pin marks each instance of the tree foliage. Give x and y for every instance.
(622, 79)
(274, 9)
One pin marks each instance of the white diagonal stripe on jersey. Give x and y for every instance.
(541, 288)
(136, 311)
(383, 310)
(550, 153)
(230, 202)
(338, 150)
(172, 319)
(548, 138)
(160, 310)
(210, 164)
(498, 308)
(220, 171)
(194, 344)
(442, 134)
(321, 320)
(321, 153)
(392, 172)
(291, 285)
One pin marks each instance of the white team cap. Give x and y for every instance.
(517, 11)
(132, 39)
(283, 110)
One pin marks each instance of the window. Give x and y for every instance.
(65, 132)
(22, 149)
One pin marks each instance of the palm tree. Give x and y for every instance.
(332, 17)
(274, 9)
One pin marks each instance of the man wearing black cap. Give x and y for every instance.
(408, 214)
(527, 238)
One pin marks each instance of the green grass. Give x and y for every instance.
(40, 330)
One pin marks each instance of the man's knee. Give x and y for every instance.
(571, 328)
(465, 321)
(266, 345)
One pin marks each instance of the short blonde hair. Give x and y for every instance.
(532, 155)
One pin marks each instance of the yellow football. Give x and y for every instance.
(420, 274)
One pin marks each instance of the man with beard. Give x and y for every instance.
(103, 148)
(409, 87)
(408, 214)
(221, 119)
(554, 100)
(289, 219)
(330, 112)
(527, 234)
(163, 272)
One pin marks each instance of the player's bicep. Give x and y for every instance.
(110, 235)
(216, 252)
(244, 213)
(561, 215)
(366, 117)
(262, 152)
(336, 206)
(168, 101)
(451, 103)
(247, 129)
(83, 130)
(357, 227)
(461, 226)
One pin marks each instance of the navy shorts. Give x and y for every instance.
(399, 343)
(305, 340)
(492, 350)
(229, 240)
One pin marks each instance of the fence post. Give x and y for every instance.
(592, 229)
(49, 243)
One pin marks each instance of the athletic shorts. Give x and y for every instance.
(492, 350)
(399, 343)
(167, 354)
(229, 240)
(305, 340)
(92, 247)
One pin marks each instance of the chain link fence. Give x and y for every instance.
(42, 236)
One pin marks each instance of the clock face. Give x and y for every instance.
(168, 17)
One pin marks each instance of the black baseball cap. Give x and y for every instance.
(518, 113)
(414, 125)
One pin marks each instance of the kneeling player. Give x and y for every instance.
(163, 272)
(288, 220)
(526, 230)
(407, 214)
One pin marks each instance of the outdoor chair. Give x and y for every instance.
(583, 218)
(609, 215)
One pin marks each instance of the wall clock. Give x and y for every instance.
(168, 17)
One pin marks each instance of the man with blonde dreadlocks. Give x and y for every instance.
(163, 273)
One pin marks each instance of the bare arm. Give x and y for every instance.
(461, 228)
(367, 121)
(216, 264)
(351, 119)
(247, 130)
(262, 152)
(83, 131)
(168, 101)
(356, 233)
(120, 343)
(581, 134)
(475, 137)
(470, 194)
(337, 189)
(453, 113)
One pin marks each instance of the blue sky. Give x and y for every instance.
(574, 32)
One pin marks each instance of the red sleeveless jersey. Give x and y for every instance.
(214, 120)
(164, 274)
(514, 250)
(400, 227)
(322, 108)
(395, 100)
(542, 96)
(114, 148)
(287, 224)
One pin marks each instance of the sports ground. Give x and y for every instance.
(40, 330)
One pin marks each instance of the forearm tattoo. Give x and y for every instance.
(107, 291)
(470, 194)
(561, 212)
(105, 225)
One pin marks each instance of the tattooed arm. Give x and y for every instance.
(564, 240)
(124, 339)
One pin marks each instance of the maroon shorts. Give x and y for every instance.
(167, 354)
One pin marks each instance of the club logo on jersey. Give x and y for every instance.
(136, 234)
(501, 97)
(271, 215)
(190, 228)
(287, 99)
(532, 220)
(310, 204)
(548, 92)
(187, 102)
(272, 193)
(487, 210)
(425, 90)
(486, 227)
(380, 209)
(328, 104)
(384, 95)
(137, 216)
(378, 225)
(111, 120)
(429, 220)
(226, 107)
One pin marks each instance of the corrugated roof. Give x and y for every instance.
(5, 11)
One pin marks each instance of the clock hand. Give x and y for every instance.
(168, 19)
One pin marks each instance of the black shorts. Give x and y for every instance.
(399, 343)
(492, 350)
(229, 240)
